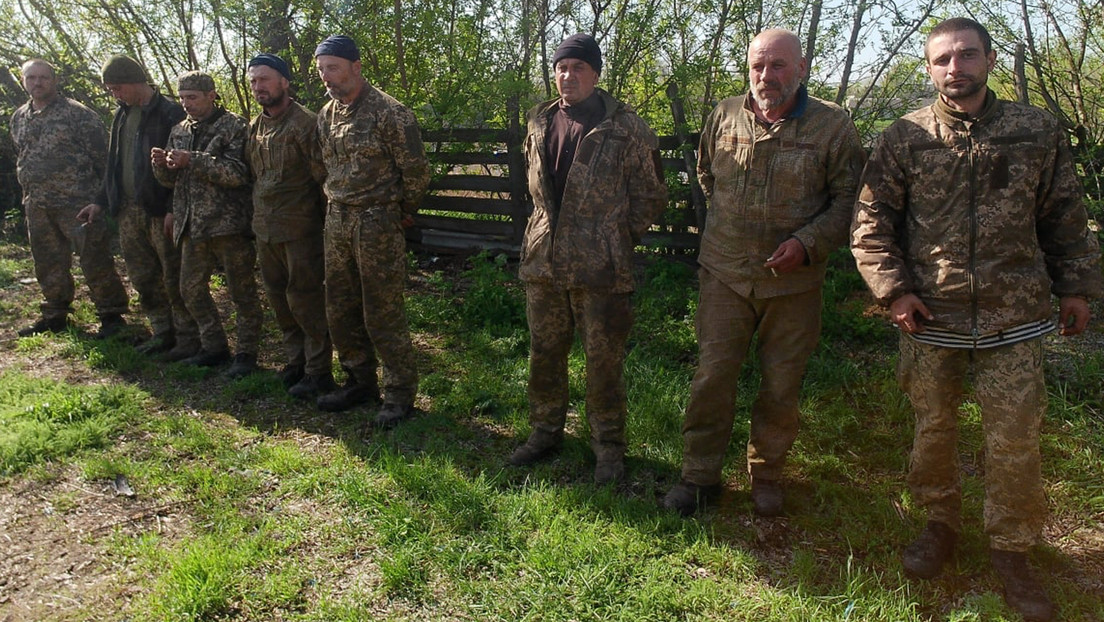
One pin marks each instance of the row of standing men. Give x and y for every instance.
(966, 219)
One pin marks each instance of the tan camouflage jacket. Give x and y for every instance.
(211, 197)
(62, 152)
(615, 191)
(285, 158)
(373, 153)
(981, 219)
(796, 178)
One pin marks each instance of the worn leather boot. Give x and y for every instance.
(767, 496)
(609, 465)
(205, 358)
(687, 498)
(391, 413)
(933, 548)
(354, 393)
(1022, 591)
(536, 448)
(46, 325)
(291, 374)
(245, 363)
(310, 386)
(157, 344)
(111, 324)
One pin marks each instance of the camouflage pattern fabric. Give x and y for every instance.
(212, 196)
(294, 274)
(789, 328)
(1009, 387)
(365, 277)
(982, 220)
(285, 159)
(796, 178)
(615, 191)
(153, 265)
(236, 255)
(373, 153)
(60, 164)
(603, 321)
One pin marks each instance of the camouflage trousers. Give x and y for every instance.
(365, 279)
(54, 233)
(603, 321)
(153, 265)
(198, 260)
(788, 328)
(1009, 388)
(293, 273)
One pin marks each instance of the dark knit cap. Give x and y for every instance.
(581, 46)
(338, 45)
(195, 81)
(121, 69)
(271, 60)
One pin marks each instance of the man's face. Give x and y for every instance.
(775, 69)
(198, 104)
(39, 81)
(340, 75)
(268, 85)
(129, 94)
(958, 65)
(575, 79)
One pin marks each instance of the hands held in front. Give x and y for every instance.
(789, 256)
(909, 313)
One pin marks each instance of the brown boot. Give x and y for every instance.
(687, 498)
(536, 448)
(1022, 591)
(925, 557)
(766, 496)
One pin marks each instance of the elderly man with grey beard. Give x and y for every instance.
(780, 169)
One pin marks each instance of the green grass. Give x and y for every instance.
(280, 512)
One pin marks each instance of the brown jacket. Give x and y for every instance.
(794, 179)
(615, 191)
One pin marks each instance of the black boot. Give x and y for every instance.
(536, 448)
(310, 386)
(1022, 591)
(687, 498)
(245, 363)
(354, 393)
(925, 557)
(46, 325)
(111, 324)
(766, 496)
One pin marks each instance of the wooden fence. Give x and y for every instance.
(479, 198)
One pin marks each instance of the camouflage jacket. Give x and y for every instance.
(211, 197)
(373, 153)
(285, 159)
(980, 219)
(159, 116)
(796, 178)
(615, 190)
(61, 153)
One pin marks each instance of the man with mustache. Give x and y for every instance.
(285, 158)
(61, 148)
(969, 219)
(376, 175)
(204, 162)
(779, 168)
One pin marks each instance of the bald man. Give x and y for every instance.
(779, 169)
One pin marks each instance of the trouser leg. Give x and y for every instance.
(52, 255)
(551, 333)
(239, 259)
(725, 324)
(604, 322)
(933, 379)
(1010, 389)
(197, 263)
(344, 299)
(789, 328)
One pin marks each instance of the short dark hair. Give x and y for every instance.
(956, 24)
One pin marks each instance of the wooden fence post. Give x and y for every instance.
(678, 112)
(516, 161)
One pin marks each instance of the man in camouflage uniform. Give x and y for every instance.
(377, 173)
(779, 168)
(140, 204)
(61, 147)
(597, 185)
(288, 213)
(204, 162)
(969, 217)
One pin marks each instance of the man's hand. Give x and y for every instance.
(1073, 315)
(168, 225)
(89, 213)
(159, 157)
(790, 255)
(178, 158)
(908, 313)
